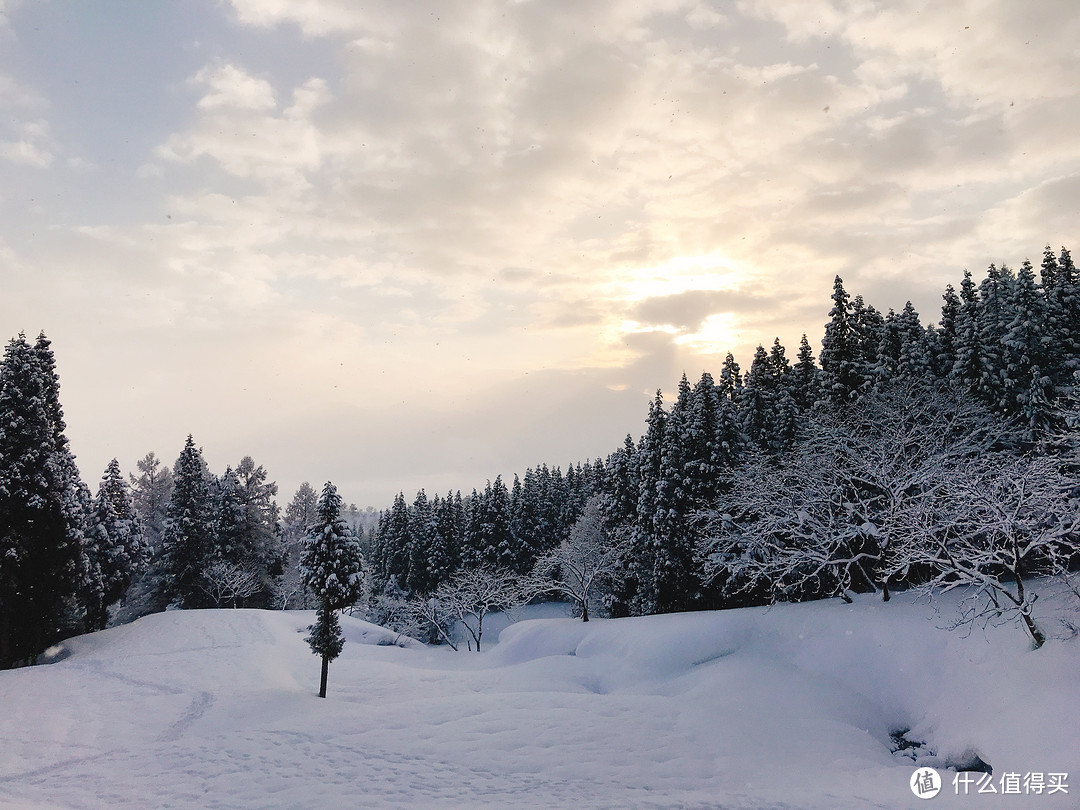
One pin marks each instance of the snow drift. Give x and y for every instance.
(793, 706)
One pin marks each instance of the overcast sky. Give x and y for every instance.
(420, 244)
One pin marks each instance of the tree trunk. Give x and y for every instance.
(322, 679)
(585, 611)
(1037, 636)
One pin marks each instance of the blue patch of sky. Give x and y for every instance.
(115, 76)
(115, 72)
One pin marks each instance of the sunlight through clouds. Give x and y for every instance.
(476, 196)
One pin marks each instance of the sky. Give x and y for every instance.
(422, 244)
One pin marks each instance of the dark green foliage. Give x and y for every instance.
(116, 549)
(332, 562)
(43, 507)
(188, 541)
(324, 637)
(333, 568)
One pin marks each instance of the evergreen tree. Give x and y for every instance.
(1068, 285)
(806, 377)
(970, 365)
(495, 543)
(1026, 390)
(620, 485)
(635, 587)
(332, 564)
(424, 545)
(840, 351)
(949, 334)
(41, 520)
(730, 379)
(992, 325)
(914, 361)
(755, 401)
(395, 544)
(189, 539)
(262, 549)
(672, 576)
(116, 549)
(301, 512)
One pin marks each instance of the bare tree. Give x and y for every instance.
(224, 581)
(431, 618)
(994, 523)
(472, 594)
(823, 520)
(577, 566)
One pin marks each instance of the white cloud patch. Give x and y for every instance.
(26, 153)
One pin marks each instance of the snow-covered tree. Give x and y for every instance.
(333, 568)
(993, 523)
(188, 542)
(474, 593)
(42, 506)
(257, 546)
(823, 519)
(116, 549)
(228, 582)
(841, 377)
(578, 566)
(150, 492)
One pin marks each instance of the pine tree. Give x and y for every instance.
(755, 401)
(41, 520)
(116, 549)
(672, 577)
(150, 493)
(1025, 355)
(1069, 295)
(970, 365)
(189, 539)
(840, 351)
(730, 379)
(914, 361)
(332, 564)
(992, 325)
(495, 543)
(395, 544)
(636, 589)
(949, 334)
(806, 377)
(301, 512)
(424, 544)
(262, 548)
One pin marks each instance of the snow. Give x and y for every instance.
(790, 706)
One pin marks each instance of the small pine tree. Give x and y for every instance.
(333, 566)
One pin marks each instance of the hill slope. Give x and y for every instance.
(787, 707)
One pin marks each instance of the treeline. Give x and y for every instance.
(905, 454)
(999, 365)
(72, 562)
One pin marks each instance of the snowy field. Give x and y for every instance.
(789, 707)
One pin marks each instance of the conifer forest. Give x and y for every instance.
(908, 452)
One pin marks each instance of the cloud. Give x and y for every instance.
(25, 153)
(688, 311)
(478, 201)
(24, 134)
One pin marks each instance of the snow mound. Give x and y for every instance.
(795, 706)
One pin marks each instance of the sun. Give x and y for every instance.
(708, 271)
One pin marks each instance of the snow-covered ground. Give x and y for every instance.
(758, 708)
